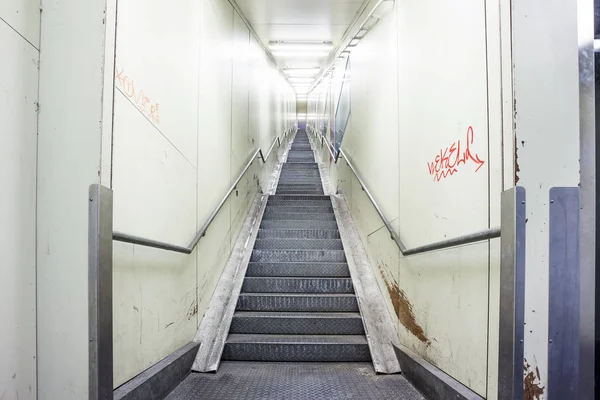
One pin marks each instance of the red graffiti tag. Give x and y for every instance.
(447, 162)
(151, 110)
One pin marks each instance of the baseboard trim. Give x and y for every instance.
(431, 381)
(159, 380)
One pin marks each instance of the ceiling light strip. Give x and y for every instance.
(357, 25)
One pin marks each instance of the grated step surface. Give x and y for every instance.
(302, 302)
(296, 348)
(297, 323)
(294, 381)
(297, 285)
(299, 233)
(300, 244)
(289, 255)
(298, 269)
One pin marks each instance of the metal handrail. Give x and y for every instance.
(458, 241)
(127, 238)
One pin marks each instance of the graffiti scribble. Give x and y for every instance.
(447, 162)
(151, 110)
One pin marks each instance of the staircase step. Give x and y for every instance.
(296, 323)
(297, 224)
(277, 197)
(297, 302)
(283, 255)
(298, 203)
(297, 269)
(290, 216)
(296, 348)
(279, 208)
(298, 244)
(298, 233)
(297, 285)
(300, 192)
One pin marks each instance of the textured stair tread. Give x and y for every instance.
(307, 285)
(290, 255)
(297, 209)
(299, 269)
(298, 244)
(296, 339)
(297, 224)
(314, 295)
(295, 314)
(298, 233)
(296, 198)
(307, 251)
(298, 216)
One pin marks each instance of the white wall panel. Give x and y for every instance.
(18, 145)
(442, 93)
(24, 17)
(153, 183)
(154, 196)
(71, 84)
(241, 148)
(157, 66)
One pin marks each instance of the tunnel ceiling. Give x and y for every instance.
(300, 21)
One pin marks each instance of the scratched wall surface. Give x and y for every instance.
(19, 36)
(195, 97)
(426, 137)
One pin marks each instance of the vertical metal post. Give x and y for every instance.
(563, 301)
(512, 295)
(587, 171)
(100, 293)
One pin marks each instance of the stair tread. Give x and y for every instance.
(296, 339)
(267, 294)
(299, 278)
(296, 314)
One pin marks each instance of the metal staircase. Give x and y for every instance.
(297, 301)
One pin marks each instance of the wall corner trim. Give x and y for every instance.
(160, 379)
(432, 382)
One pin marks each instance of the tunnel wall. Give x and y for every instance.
(195, 96)
(19, 46)
(426, 86)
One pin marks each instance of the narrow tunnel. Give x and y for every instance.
(298, 199)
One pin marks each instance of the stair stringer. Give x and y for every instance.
(214, 328)
(379, 327)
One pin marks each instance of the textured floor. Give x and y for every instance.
(294, 381)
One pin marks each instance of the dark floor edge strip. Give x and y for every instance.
(159, 380)
(431, 381)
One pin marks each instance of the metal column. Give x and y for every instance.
(100, 293)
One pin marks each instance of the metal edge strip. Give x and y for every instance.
(563, 294)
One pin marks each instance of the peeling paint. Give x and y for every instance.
(517, 168)
(404, 309)
(532, 389)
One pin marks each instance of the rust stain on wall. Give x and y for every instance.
(532, 389)
(404, 309)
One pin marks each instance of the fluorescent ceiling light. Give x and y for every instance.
(300, 54)
(302, 71)
(301, 79)
(361, 34)
(300, 46)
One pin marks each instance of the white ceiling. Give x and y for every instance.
(300, 21)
